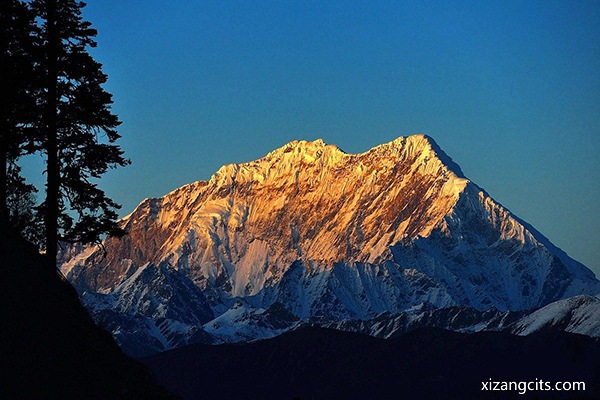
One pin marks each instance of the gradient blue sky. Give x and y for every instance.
(509, 89)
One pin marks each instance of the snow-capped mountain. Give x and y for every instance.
(321, 233)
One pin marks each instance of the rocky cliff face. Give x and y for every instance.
(335, 235)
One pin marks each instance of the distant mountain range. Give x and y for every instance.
(378, 242)
(427, 363)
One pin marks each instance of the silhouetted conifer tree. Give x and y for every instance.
(78, 128)
(18, 112)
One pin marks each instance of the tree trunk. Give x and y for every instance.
(3, 182)
(53, 171)
(5, 104)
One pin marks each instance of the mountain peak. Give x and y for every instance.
(304, 145)
(317, 157)
(304, 150)
(412, 144)
(328, 234)
(367, 201)
(420, 144)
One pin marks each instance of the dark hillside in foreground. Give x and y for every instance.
(49, 346)
(316, 363)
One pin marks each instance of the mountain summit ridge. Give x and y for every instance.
(321, 154)
(335, 235)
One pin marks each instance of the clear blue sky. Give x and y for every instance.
(509, 89)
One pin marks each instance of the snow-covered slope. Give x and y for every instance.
(457, 318)
(339, 236)
(578, 314)
(155, 309)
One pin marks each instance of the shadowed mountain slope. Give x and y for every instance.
(49, 345)
(316, 363)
